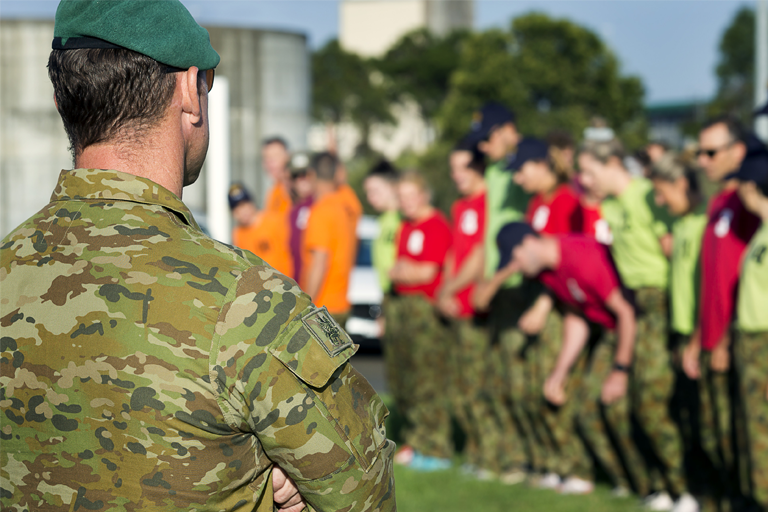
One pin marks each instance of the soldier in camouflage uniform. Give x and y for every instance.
(145, 365)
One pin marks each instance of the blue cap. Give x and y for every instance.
(529, 149)
(755, 168)
(491, 116)
(237, 194)
(509, 237)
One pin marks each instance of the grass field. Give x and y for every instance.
(451, 491)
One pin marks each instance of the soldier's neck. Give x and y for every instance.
(154, 158)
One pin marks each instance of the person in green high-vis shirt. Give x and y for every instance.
(751, 348)
(641, 243)
(677, 188)
(494, 131)
(380, 187)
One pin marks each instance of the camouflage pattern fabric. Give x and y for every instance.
(472, 403)
(397, 354)
(718, 394)
(607, 428)
(146, 366)
(652, 388)
(428, 414)
(567, 455)
(518, 369)
(752, 363)
(510, 451)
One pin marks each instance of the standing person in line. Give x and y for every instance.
(641, 243)
(302, 193)
(677, 188)
(751, 352)
(154, 366)
(425, 237)
(380, 187)
(494, 131)
(471, 354)
(554, 209)
(327, 253)
(275, 159)
(349, 200)
(261, 232)
(723, 145)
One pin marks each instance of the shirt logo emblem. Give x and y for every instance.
(326, 331)
(469, 223)
(603, 232)
(576, 292)
(723, 225)
(416, 242)
(540, 218)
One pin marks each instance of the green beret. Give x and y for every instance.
(161, 29)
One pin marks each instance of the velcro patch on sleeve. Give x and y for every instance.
(326, 331)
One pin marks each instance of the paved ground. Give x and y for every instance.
(372, 367)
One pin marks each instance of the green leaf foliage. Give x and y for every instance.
(347, 87)
(419, 67)
(736, 68)
(552, 72)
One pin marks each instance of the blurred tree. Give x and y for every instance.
(419, 67)
(736, 68)
(346, 87)
(552, 73)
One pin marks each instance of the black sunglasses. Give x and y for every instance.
(712, 152)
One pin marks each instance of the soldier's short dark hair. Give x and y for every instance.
(385, 170)
(275, 140)
(734, 126)
(108, 94)
(325, 164)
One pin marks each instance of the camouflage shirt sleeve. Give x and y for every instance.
(281, 370)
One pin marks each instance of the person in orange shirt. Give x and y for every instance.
(260, 232)
(328, 253)
(275, 158)
(349, 200)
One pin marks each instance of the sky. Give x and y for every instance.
(671, 44)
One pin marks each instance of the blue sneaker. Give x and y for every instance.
(426, 463)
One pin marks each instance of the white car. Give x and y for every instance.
(365, 292)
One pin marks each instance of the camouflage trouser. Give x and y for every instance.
(719, 396)
(519, 370)
(566, 455)
(605, 428)
(472, 403)
(652, 388)
(752, 364)
(427, 378)
(396, 346)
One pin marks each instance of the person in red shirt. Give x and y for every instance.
(471, 356)
(425, 238)
(723, 144)
(580, 274)
(554, 207)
